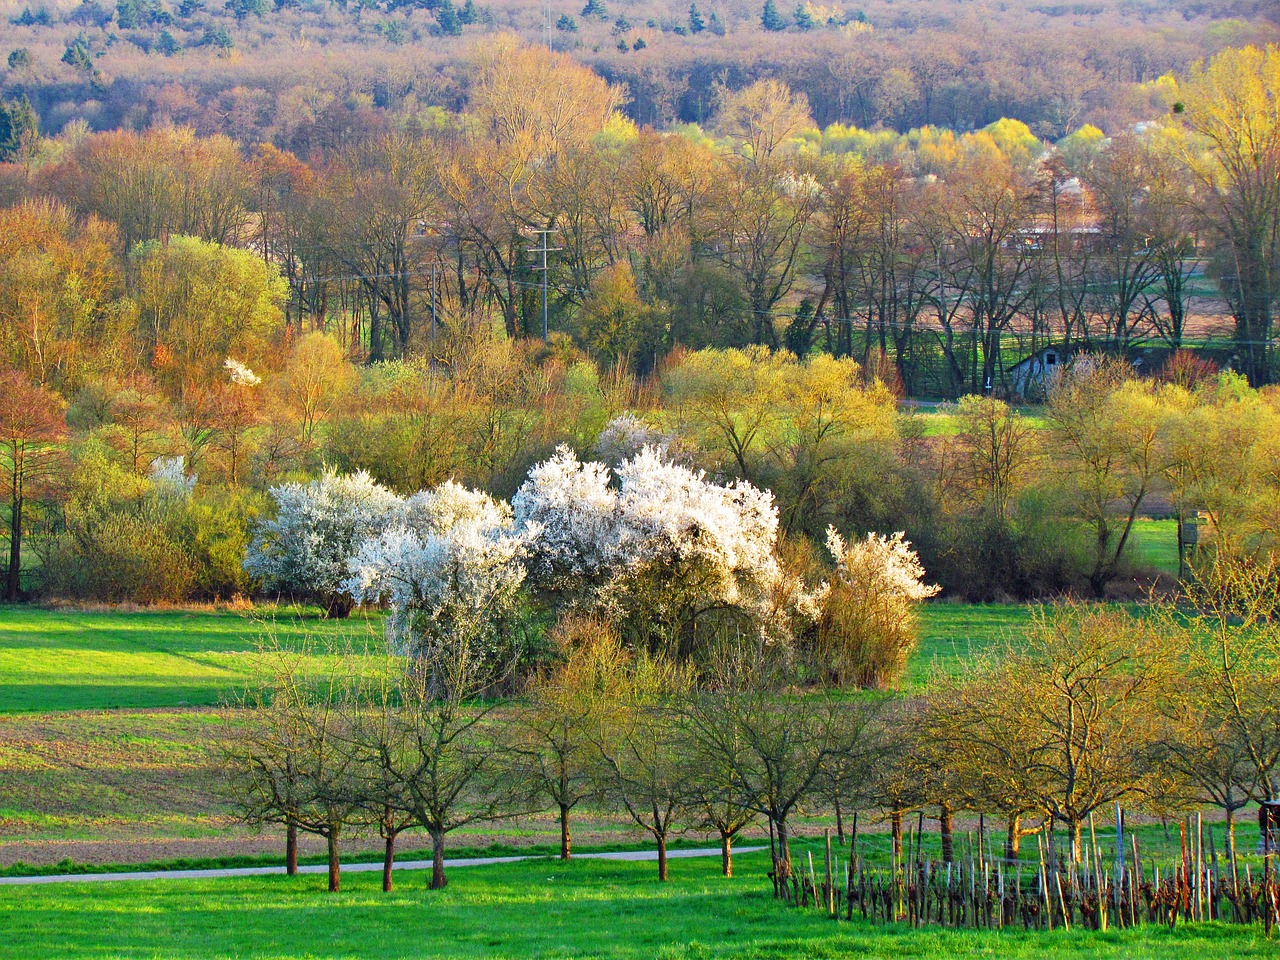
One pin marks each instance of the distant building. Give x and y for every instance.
(1032, 377)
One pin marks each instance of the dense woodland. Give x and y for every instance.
(948, 256)
(300, 74)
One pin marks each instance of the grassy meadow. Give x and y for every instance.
(137, 783)
(58, 660)
(540, 909)
(68, 659)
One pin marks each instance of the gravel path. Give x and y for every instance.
(634, 855)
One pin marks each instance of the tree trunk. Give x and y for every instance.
(784, 852)
(334, 866)
(839, 823)
(438, 879)
(662, 856)
(566, 845)
(1013, 838)
(726, 854)
(388, 861)
(945, 828)
(15, 543)
(1076, 831)
(1231, 837)
(895, 830)
(291, 849)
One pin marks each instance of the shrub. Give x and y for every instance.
(867, 628)
(116, 556)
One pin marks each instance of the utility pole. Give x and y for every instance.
(433, 301)
(545, 236)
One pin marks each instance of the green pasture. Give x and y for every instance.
(93, 660)
(53, 660)
(584, 909)
(1153, 545)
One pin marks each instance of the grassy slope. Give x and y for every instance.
(1153, 545)
(583, 909)
(78, 660)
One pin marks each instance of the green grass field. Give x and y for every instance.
(95, 660)
(53, 660)
(585, 909)
(122, 785)
(1153, 545)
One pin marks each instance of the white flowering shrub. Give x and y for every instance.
(868, 625)
(169, 477)
(654, 547)
(239, 374)
(452, 568)
(626, 435)
(305, 550)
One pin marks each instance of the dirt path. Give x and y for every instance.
(632, 855)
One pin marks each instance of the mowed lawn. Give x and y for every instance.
(92, 660)
(543, 909)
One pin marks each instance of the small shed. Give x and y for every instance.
(1033, 376)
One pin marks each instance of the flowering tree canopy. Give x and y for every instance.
(452, 568)
(305, 549)
(880, 567)
(654, 546)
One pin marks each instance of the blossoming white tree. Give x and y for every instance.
(659, 553)
(452, 568)
(305, 549)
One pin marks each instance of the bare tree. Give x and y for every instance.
(289, 758)
(558, 730)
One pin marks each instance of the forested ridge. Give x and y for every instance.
(293, 72)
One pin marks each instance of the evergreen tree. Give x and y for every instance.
(802, 18)
(447, 18)
(77, 55)
(166, 44)
(639, 44)
(771, 19)
(19, 126)
(696, 23)
(566, 24)
(20, 59)
(715, 24)
(596, 8)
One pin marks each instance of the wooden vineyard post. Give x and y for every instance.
(831, 887)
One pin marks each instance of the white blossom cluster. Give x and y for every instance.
(240, 374)
(650, 541)
(169, 477)
(886, 566)
(626, 435)
(599, 531)
(317, 528)
(451, 567)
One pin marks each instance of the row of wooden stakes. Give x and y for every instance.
(1049, 893)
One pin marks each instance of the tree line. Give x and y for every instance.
(218, 66)
(945, 256)
(131, 494)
